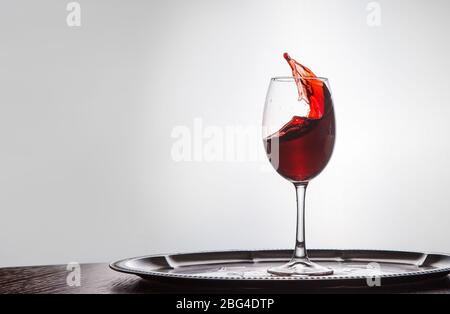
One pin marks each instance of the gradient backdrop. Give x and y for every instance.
(87, 113)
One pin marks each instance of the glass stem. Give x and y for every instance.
(300, 244)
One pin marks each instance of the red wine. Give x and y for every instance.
(301, 149)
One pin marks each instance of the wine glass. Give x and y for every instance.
(298, 147)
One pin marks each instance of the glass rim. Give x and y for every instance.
(293, 78)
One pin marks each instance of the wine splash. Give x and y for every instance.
(311, 91)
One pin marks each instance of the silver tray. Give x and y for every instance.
(247, 269)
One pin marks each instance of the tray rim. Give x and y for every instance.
(119, 266)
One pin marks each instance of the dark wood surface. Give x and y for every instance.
(99, 278)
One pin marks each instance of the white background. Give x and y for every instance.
(86, 114)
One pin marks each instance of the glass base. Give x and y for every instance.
(300, 267)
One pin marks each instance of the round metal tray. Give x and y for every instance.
(247, 269)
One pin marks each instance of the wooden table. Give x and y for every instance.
(99, 278)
